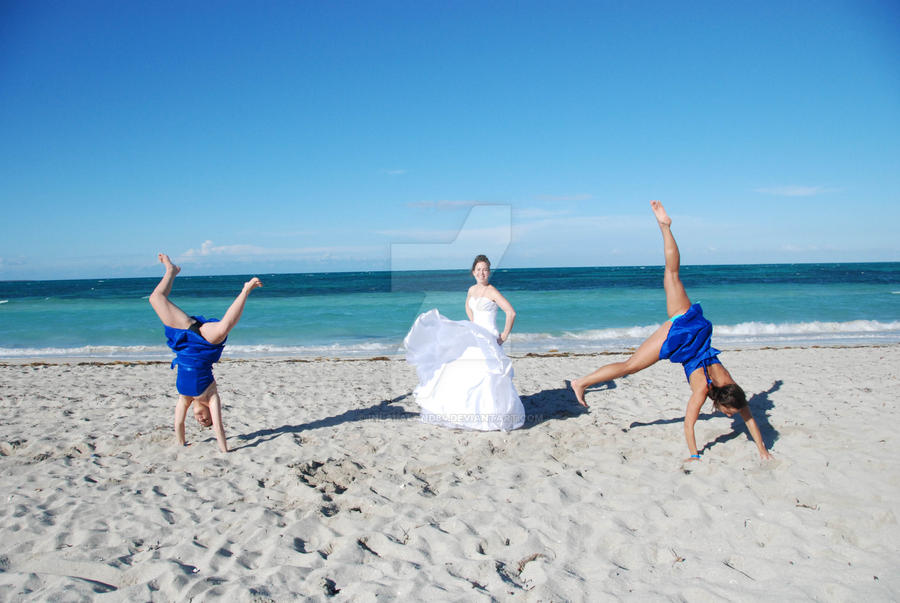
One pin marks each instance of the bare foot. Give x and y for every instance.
(579, 392)
(252, 284)
(660, 212)
(168, 263)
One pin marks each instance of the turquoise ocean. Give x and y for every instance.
(365, 314)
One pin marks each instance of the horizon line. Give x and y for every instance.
(493, 269)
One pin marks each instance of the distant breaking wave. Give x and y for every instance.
(855, 332)
(748, 334)
(133, 353)
(794, 328)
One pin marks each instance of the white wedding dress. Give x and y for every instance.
(465, 378)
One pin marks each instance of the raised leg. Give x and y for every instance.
(170, 314)
(646, 354)
(677, 300)
(216, 332)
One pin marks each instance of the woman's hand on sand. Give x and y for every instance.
(766, 456)
(691, 459)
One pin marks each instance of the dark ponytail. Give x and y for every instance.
(730, 395)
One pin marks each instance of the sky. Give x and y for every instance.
(271, 137)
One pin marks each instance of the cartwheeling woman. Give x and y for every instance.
(465, 378)
(684, 338)
(198, 343)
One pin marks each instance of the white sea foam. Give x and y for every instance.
(801, 328)
(748, 334)
(360, 350)
(852, 332)
(352, 350)
(90, 351)
(4, 301)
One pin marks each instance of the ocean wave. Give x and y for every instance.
(741, 329)
(90, 351)
(741, 334)
(364, 349)
(747, 334)
(802, 328)
(357, 350)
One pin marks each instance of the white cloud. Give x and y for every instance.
(487, 230)
(533, 213)
(559, 198)
(572, 225)
(421, 234)
(794, 190)
(208, 250)
(441, 204)
(795, 248)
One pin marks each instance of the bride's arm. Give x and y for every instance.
(468, 309)
(507, 309)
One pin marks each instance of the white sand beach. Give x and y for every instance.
(335, 490)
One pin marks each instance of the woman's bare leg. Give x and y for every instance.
(677, 300)
(646, 354)
(216, 332)
(170, 314)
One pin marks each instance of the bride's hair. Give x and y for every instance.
(481, 258)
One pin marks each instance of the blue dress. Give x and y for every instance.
(194, 357)
(688, 342)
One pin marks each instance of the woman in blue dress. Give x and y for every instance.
(198, 343)
(683, 338)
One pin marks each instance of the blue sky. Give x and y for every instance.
(258, 137)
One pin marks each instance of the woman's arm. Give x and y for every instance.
(508, 310)
(753, 428)
(691, 413)
(180, 412)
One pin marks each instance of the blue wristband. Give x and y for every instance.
(695, 456)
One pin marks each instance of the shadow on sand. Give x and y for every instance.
(555, 404)
(759, 404)
(383, 411)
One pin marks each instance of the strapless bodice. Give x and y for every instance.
(484, 313)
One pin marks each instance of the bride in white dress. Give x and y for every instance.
(465, 378)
